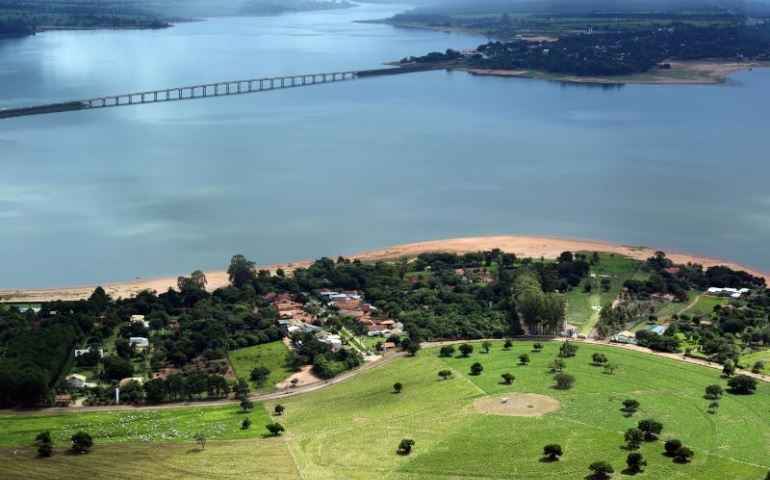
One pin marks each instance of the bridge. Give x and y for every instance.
(218, 89)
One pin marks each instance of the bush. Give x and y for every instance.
(447, 351)
(651, 428)
(405, 446)
(742, 385)
(601, 469)
(568, 349)
(523, 359)
(713, 392)
(634, 437)
(636, 462)
(630, 406)
(477, 368)
(245, 424)
(397, 387)
(683, 454)
(275, 428)
(553, 451)
(564, 381)
(508, 378)
(466, 349)
(81, 442)
(671, 446)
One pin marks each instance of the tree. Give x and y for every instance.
(599, 358)
(564, 381)
(444, 374)
(241, 271)
(635, 462)
(630, 406)
(155, 390)
(713, 407)
(742, 385)
(246, 404)
(634, 438)
(405, 446)
(116, 368)
(609, 368)
(275, 428)
(397, 387)
(568, 349)
(241, 388)
(279, 409)
(523, 359)
(486, 345)
(477, 368)
(44, 444)
(81, 442)
(683, 454)
(651, 428)
(412, 347)
(447, 351)
(728, 369)
(558, 365)
(466, 349)
(246, 423)
(200, 439)
(758, 367)
(259, 375)
(713, 392)
(508, 378)
(537, 347)
(552, 451)
(671, 446)
(508, 344)
(601, 469)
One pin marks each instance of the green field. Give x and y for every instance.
(271, 355)
(350, 430)
(583, 308)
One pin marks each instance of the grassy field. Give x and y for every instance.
(271, 355)
(583, 308)
(350, 430)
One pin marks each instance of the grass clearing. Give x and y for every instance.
(271, 355)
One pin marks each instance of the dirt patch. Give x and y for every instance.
(517, 405)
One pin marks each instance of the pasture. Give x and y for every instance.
(271, 355)
(351, 430)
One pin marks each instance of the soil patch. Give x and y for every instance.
(517, 405)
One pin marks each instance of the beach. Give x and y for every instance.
(521, 245)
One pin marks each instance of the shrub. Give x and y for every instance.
(564, 381)
(444, 374)
(466, 349)
(245, 424)
(81, 442)
(713, 392)
(508, 378)
(523, 359)
(651, 429)
(742, 385)
(601, 469)
(568, 349)
(397, 387)
(634, 437)
(683, 454)
(447, 351)
(552, 451)
(477, 368)
(405, 446)
(636, 462)
(275, 428)
(671, 446)
(630, 406)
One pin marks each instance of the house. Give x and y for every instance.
(624, 337)
(388, 346)
(125, 381)
(727, 292)
(63, 400)
(83, 351)
(335, 341)
(139, 342)
(659, 329)
(139, 319)
(76, 381)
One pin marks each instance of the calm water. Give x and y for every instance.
(165, 189)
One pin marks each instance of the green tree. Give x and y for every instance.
(568, 349)
(241, 271)
(44, 444)
(405, 446)
(537, 347)
(259, 375)
(523, 359)
(508, 344)
(486, 345)
(508, 378)
(713, 392)
(447, 351)
(564, 381)
(200, 439)
(412, 348)
(558, 365)
(477, 368)
(742, 385)
(634, 437)
(397, 387)
(552, 451)
(116, 368)
(246, 423)
(609, 368)
(246, 404)
(671, 446)
(444, 374)
(728, 369)
(713, 407)
(466, 349)
(81, 442)
(241, 388)
(630, 406)
(599, 358)
(683, 454)
(635, 462)
(601, 470)
(279, 409)
(275, 428)
(651, 428)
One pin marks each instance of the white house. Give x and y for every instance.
(624, 337)
(76, 380)
(139, 342)
(727, 292)
(83, 351)
(139, 319)
(335, 341)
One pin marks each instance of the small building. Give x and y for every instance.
(659, 329)
(727, 292)
(139, 342)
(83, 351)
(624, 337)
(335, 341)
(63, 400)
(125, 381)
(139, 319)
(388, 346)
(76, 381)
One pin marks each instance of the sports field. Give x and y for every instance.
(352, 429)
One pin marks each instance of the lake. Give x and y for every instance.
(110, 195)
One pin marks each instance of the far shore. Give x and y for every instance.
(521, 245)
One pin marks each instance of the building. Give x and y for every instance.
(624, 337)
(335, 341)
(83, 351)
(727, 292)
(76, 381)
(63, 400)
(139, 319)
(139, 342)
(659, 329)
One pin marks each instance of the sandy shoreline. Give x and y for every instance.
(681, 73)
(521, 245)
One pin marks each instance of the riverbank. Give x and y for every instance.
(521, 245)
(712, 72)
